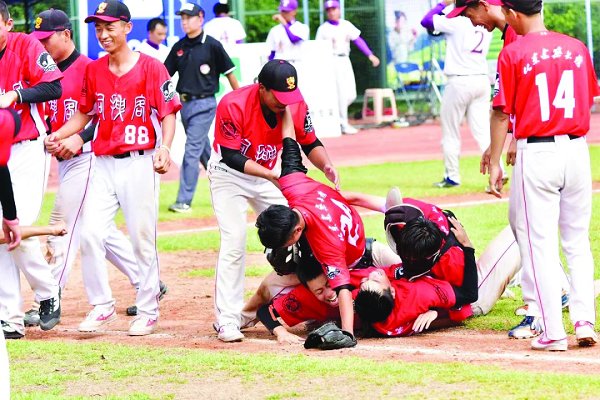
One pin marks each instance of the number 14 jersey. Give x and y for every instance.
(129, 108)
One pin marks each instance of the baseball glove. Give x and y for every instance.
(284, 260)
(329, 337)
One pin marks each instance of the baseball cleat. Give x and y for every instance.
(529, 328)
(541, 343)
(584, 332)
(142, 326)
(32, 317)
(446, 183)
(349, 130)
(393, 198)
(180, 208)
(229, 333)
(50, 312)
(97, 318)
(132, 310)
(11, 332)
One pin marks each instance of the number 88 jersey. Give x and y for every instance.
(129, 108)
(547, 81)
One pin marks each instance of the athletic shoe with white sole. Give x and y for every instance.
(32, 317)
(542, 343)
(529, 327)
(564, 300)
(132, 310)
(229, 333)
(11, 331)
(584, 332)
(97, 318)
(142, 326)
(180, 208)
(50, 312)
(446, 183)
(349, 130)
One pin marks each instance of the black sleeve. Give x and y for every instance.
(467, 293)
(339, 288)
(307, 148)
(233, 158)
(7, 198)
(88, 133)
(269, 320)
(171, 60)
(41, 92)
(291, 159)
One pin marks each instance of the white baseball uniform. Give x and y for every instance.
(279, 42)
(226, 30)
(468, 89)
(340, 36)
(160, 54)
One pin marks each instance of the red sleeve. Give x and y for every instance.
(301, 305)
(504, 93)
(305, 132)
(592, 79)
(7, 132)
(87, 100)
(451, 266)
(338, 275)
(161, 90)
(43, 69)
(228, 124)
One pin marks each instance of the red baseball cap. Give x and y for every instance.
(50, 21)
(110, 11)
(281, 78)
(461, 5)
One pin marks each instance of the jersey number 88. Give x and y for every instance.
(139, 135)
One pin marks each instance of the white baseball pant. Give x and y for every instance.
(231, 193)
(131, 184)
(552, 189)
(75, 176)
(346, 86)
(29, 166)
(464, 95)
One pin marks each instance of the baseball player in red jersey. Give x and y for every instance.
(242, 172)
(11, 124)
(29, 78)
(333, 228)
(75, 164)
(547, 82)
(135, 103)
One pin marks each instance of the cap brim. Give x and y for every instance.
(186, 12)
(286, 9)
(456, 12)
(41, 35)
(103, 18)
(288, 98)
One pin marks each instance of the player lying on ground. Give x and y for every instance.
(332, 227)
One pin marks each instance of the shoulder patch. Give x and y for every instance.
(292, 304)
(46, 62)
(332, 272)
(228, 128)
(168, 90)
(308, 125)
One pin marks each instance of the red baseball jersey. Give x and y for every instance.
(301, 305)
(240, 125)
(413, 299)
(451, 265)
(7, 134)
(509, 35)
(334, 229)
(129, 108)
(26, 63)
(547, 81)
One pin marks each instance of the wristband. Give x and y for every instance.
(163, 146)
(12, 222)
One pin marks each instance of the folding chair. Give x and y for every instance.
(410, 79)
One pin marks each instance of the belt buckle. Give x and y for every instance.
(184, 97)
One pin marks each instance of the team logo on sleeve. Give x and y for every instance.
(46, 62)
(291, 303)
(496, 85)
(332, 272)
(228, 128)
(168, 90)
(399, 272)
(308, 125)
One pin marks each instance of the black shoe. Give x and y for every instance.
(132, 311)
(50, 313)
(10, 332)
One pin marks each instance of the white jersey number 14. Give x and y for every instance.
(564, 97)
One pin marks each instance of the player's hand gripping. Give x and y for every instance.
(69, 147)
(285, 337)
(424, 320)
(53, 144)
(279, 18)
(332, 174)
(374, 60)
(12, 233)
(496, 180)
(162, 160)
(459, 232)
(8, 99)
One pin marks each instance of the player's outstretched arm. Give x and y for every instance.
(59, 229)
(233, 81)
(346, 310)
(499, 129)
(364, 200)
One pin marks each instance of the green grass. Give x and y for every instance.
(66, 371)
(251, 271)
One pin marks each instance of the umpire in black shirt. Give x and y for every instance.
(199, 59)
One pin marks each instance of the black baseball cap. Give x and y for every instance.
(527, 7)
(191, 9)
(281, 78)
(50, 21)
(461, 5)
(110, 11)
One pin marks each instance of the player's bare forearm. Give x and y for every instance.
(31, 231)
(346, 310)
(499, 129)
(320, 159)
(168, 129)
(255, 169)
(73, 126)
(233, 81)
(364, 200)
(286, 337)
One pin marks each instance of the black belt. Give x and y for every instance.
(366, 260)
(187, 97)
(128, 154)
(546, 139)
